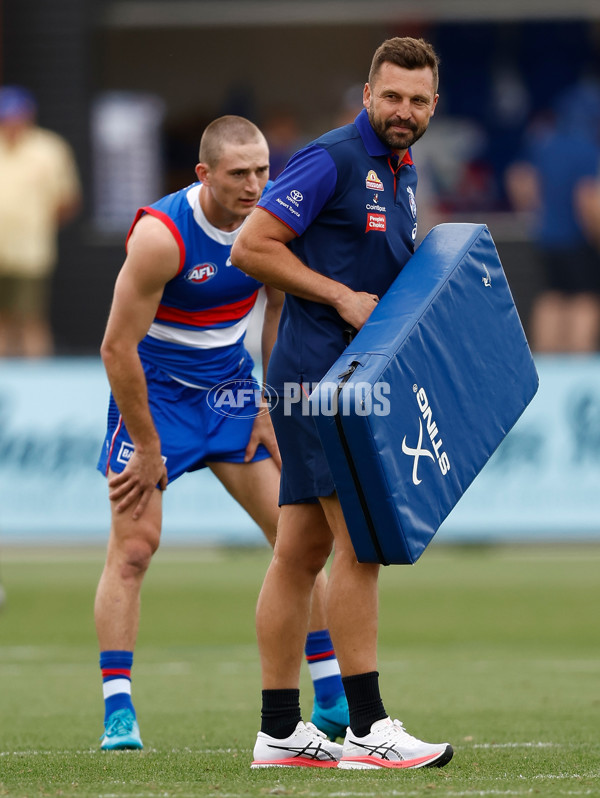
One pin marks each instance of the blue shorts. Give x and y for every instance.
(305, 474)
(194, 425)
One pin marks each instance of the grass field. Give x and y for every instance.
(494, 649)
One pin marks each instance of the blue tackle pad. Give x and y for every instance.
(421, 398)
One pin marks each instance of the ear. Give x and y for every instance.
(202, 173)
(367, 96)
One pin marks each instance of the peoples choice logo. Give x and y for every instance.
(433, 432)
(241, 399)
(375, 221)
(201, 273)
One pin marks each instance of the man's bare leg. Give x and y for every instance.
(255, 486)
(117, 613)
(282, 618)
(351, 584)
(130, 548)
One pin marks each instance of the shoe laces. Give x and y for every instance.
(397, 730)
(121, 722)
(314, 730)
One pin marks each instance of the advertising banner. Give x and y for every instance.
(541, 483)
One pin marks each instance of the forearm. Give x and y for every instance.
(261, 251)
(128, 385)
(274, 264)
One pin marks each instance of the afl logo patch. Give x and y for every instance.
(201, 273)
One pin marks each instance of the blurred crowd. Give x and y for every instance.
(548, 174)
(538, 163)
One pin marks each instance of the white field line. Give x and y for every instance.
(517, 745)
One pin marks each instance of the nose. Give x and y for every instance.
(404, 110)
(252, 184)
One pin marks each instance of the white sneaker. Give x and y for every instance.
(389, 745)
(305, 747)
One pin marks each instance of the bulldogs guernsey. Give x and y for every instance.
(197, 336)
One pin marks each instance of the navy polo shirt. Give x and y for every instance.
(355, 216)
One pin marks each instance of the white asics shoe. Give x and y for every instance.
(389, 745)
(305, 747)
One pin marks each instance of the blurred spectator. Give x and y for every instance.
(351, 105)
(39, 191)
(558, 180)
(283, 135)
(454, 167)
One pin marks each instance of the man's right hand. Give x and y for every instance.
(356, 306)
(137, 482)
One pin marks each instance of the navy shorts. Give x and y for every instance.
(194, 425)
(572, 271)
(305, 474)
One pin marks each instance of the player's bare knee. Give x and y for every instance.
(136, 555)
(315, 557)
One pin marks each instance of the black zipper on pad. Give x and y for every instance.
(344, 377)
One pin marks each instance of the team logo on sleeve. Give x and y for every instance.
(412, 202)
(201, 273)
(373, 182)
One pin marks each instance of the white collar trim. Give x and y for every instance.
(220, 236)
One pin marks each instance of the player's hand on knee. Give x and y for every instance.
(135, 485)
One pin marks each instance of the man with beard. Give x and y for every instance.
(333, 232)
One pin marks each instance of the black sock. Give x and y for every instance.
(364, 702)
(280, 712)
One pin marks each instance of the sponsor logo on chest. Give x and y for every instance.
(375, 221)
(373, 182)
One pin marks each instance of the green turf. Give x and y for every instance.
(493, 649)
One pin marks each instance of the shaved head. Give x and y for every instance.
(223, 131)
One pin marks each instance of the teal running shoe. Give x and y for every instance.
(121, 732)
(333, 720)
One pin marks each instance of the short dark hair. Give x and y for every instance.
(408, 53)
(226, 130)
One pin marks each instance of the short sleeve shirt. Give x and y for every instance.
(38, 175)
(354, 213)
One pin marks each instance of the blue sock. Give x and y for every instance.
(116, 681)
(324, 668)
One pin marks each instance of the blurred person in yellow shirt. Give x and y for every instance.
(39, 192)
